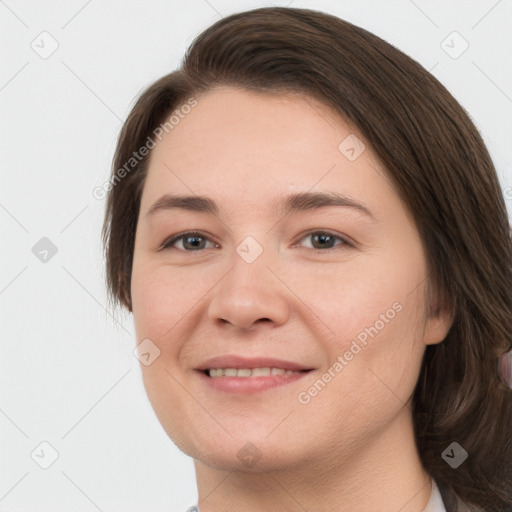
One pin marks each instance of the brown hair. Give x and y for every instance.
(439, 165)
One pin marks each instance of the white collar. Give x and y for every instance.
(435, 504)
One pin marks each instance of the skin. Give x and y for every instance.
(352, 446)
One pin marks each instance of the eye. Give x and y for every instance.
(323, 241)
(194, 241)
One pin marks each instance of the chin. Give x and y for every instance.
(246, 454)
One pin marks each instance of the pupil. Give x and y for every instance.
(323, 237)
(194, 244)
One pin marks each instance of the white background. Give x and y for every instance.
(67, 372)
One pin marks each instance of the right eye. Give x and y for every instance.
(192, 241)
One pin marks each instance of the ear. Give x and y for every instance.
(438, 321)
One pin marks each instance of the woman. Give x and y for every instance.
(312, 239)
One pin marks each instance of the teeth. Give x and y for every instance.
(247, 372)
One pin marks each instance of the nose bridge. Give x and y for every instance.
(250, 291)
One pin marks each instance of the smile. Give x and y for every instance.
(248, 372)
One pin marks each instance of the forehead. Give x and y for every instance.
(245, 119)
(256, 146)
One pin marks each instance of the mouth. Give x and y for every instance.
(249, 372)
(242, 375)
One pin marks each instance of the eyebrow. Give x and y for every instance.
(298, 202)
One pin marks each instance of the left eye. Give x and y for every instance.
(196, 241)
(325, 238)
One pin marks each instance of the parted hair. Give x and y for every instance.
(439, 165)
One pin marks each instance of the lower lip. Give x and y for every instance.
(250, 384)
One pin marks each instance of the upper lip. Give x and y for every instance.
(234, 361)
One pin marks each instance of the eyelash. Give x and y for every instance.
(167, 245)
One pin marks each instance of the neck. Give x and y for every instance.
(385, 474)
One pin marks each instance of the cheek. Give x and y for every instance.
(354, 295)
(161, 297)
(147, 297)
(374, 317)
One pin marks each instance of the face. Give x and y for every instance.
(332, 287)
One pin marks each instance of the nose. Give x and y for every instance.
(250, 293)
